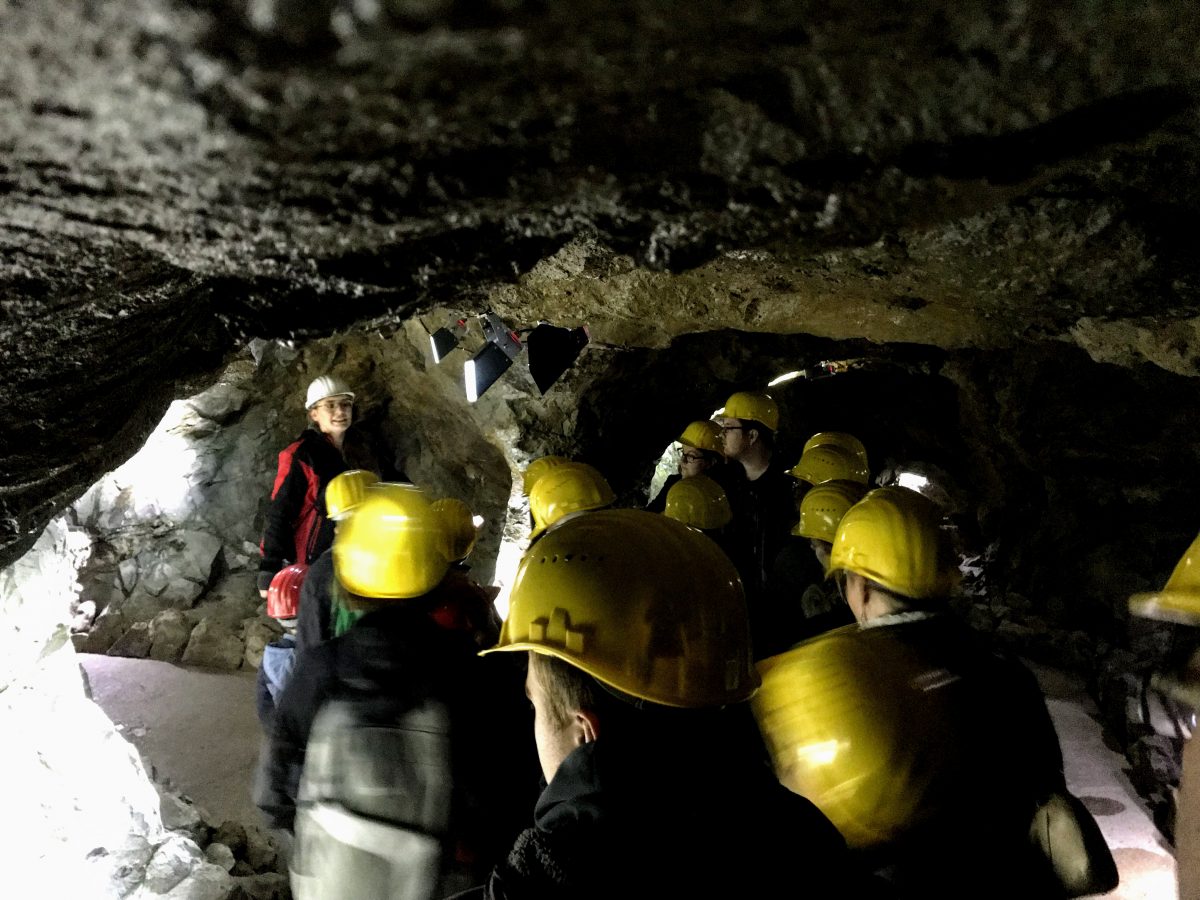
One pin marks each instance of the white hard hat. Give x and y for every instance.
(326, 386)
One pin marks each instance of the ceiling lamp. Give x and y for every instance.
(442, 341)
(485, 368)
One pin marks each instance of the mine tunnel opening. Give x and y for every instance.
(167, 572)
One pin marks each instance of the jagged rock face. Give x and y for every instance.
(963, 176)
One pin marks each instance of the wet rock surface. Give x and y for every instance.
(178, 178)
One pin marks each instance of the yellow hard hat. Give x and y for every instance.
(853, 722)
(847, 442)
(698, 501)
(346, 491)
(757, 405)
(1179, 601)
(538, 468)
(640, 602)
(703, 435)
(827, 462)
(891, 537)
(822, 508)
(459, 524)
(393, 546)
(567, 488)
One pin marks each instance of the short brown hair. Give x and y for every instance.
(567, 689)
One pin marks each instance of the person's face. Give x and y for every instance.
(333, 415)
(693, 462)
(822, 550)
(554, 741)
(734, 436)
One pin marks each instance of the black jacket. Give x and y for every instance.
(314, 623)
(764, 512)
(1012, 763)
(398, 652)
(684, 811)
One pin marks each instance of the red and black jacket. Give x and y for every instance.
(297, 528)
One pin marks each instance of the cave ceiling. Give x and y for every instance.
(176, 178)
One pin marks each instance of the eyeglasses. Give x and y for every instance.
(334, 405)
(725, 428)
(692, 457)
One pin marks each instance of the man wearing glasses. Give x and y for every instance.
(764, 508)
(297, 528)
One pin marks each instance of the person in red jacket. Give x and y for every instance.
(297, 528)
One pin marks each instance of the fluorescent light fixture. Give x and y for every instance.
(496, 357)
(552, 351)
(442, 341)
(786, 377)
(484, 370)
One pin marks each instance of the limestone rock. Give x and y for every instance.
(233, 835)
(127, 572)
(196, 551)
(85, 615)
(257, 633)
(173, 861)
(124, 867)
(220, 402)
(205, 882)
(266, 886)
(220, 855)
(169, 633)
(261, 849)
(180, 814)
(142, 606)
(134, 643)
(214, 646)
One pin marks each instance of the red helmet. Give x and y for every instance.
(283, 596)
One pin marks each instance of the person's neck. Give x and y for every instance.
(756, 461)
(338, 439)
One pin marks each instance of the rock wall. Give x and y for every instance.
(174, 531)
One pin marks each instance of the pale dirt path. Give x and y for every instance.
(195, 726)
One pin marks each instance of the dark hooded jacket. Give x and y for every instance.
(400, 654)
(1007, 763)
(685, 810)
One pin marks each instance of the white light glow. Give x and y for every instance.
(158, 477)
(719, 412)
(477, 521)
(822, 753)
(469, 381)
(668, 465)
(785, 378)
(437, 358)
(912, 481)
(507, 561)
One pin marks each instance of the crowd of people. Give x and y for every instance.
(754, 685)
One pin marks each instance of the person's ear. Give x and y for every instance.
(752, 436)
(588, 725)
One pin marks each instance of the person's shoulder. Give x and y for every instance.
(295, 446)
